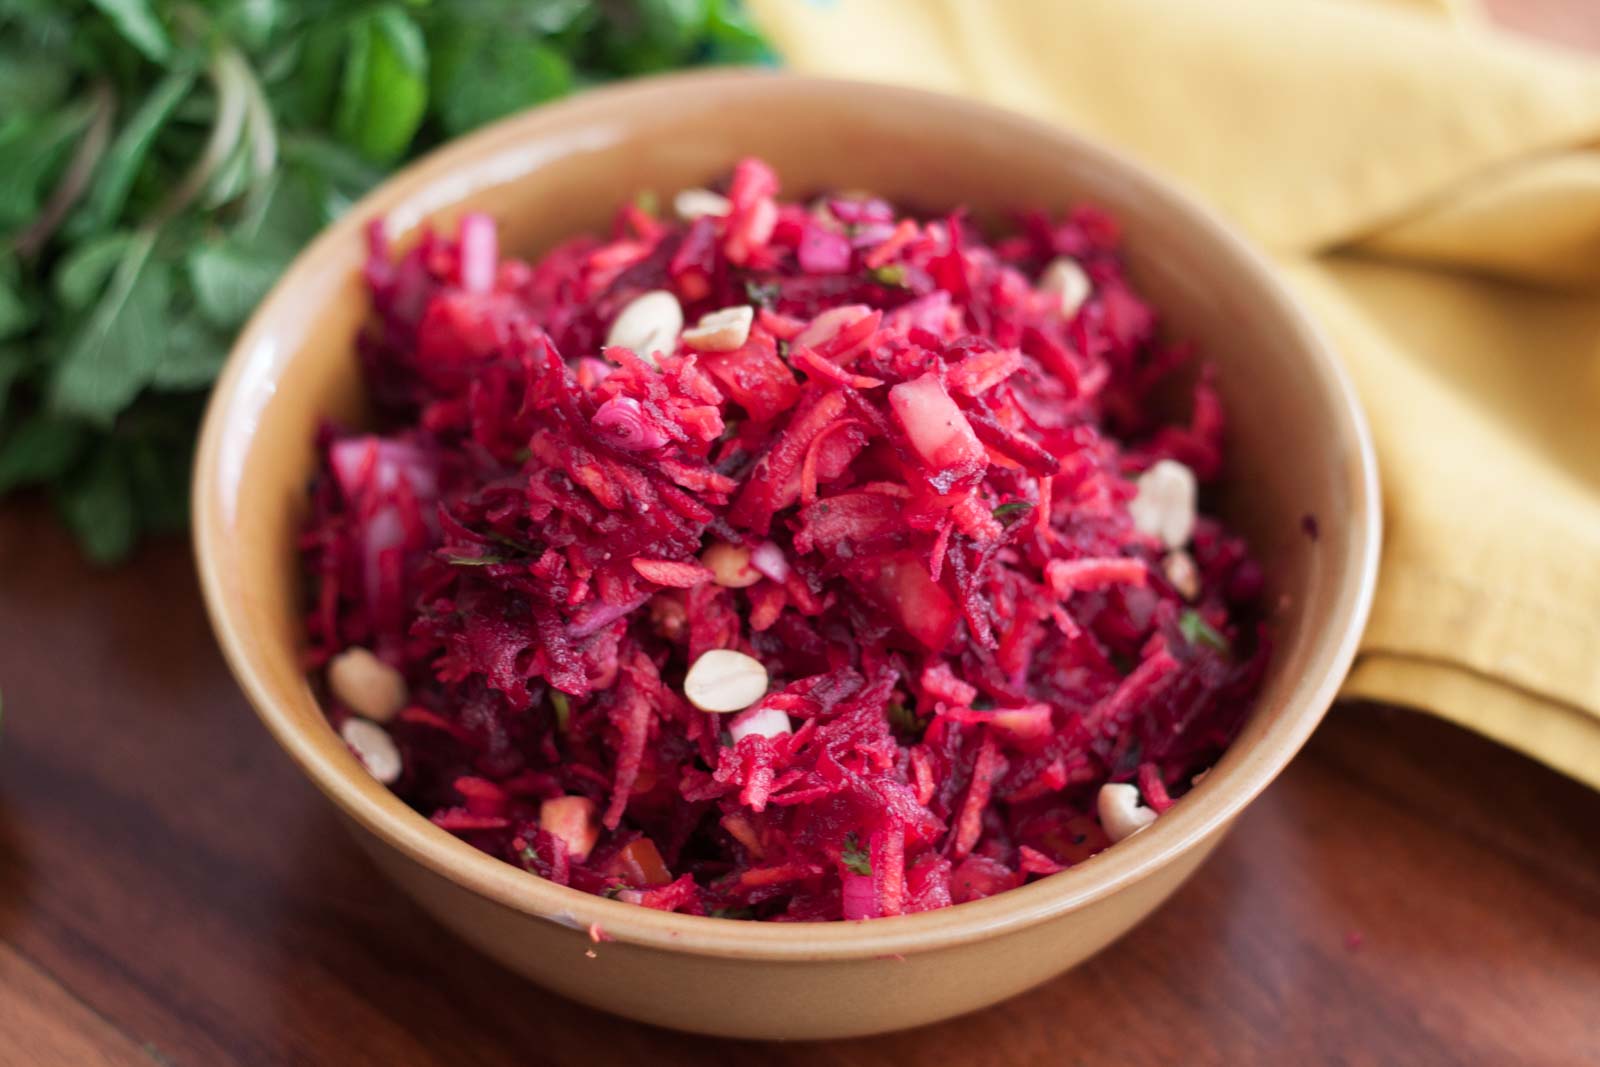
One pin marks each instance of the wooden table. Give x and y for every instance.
(173, 891)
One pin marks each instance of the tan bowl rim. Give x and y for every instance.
(1204, 811)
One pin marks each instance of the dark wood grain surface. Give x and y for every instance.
(173, 891)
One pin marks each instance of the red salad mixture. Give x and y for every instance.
(780, 560)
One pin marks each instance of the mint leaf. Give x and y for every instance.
(253, 22)
(98, 507)
(1196, 630)
(194, 355)
(137, 22)
(34, 148)
(482, 74)
(854, 857)
(117, 351)
(385, 89)
(229, 279)
(282, 215)
(81, 276)
(306, 97)
(41, 448)
(32, 79)
(115, 175)
(14, 363)
(15, 313)
(649, 35)
(732, 38)
(158, 472)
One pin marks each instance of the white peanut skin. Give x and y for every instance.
(374, 748)
(1065, 280)
(1164, 505)
(366, 685)
(691, 204)
(1122, 814)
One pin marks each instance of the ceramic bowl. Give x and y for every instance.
(1298, 446)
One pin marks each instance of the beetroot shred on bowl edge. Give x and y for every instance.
(788, 561)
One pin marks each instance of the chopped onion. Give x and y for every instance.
(622, 422)
(859, 899)
(763, 722)
(480, 252)
(769, 559)
(822, 251)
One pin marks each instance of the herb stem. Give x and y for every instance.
(263, 131)
(76, 178)
(233, 103)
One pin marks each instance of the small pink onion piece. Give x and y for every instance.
(823, 251)
(857, 212)
(871, 234)
(622, 421)
(763, 722)
(591, 372)
(479, 248)
(860, 902)
(769, 559)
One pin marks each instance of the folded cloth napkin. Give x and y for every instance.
(1432, 190)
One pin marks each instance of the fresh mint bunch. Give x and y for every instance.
(161, 163)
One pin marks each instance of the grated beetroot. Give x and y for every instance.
(916, 470)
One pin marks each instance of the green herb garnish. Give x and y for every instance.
(563, 709)
(473, 561)
(890, 274)
(761, 294)
(1196, 630)
(855, 858)
(732, 913)
(904, 721)
(1015, 507)
(162, 161)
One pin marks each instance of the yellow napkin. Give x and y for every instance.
(1432, 190)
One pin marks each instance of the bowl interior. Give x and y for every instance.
(1296, 442)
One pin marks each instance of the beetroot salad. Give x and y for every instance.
(780, 560)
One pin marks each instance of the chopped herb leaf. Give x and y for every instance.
(761, 294)
(855, 857)
(1196, 630)
(474, 561)
(1015, 507)
(732, 913)
(904, 721)
(890, 274)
